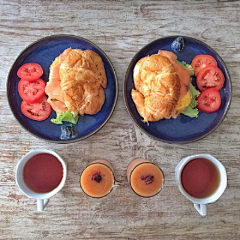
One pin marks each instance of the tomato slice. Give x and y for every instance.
(210, 77)
(36, 111)
(201, 61)
(31, 92)
(30, 71)
(209, 100)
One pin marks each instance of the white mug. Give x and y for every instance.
(200, 204)
(42, 198)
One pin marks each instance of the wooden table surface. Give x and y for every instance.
(120, 28)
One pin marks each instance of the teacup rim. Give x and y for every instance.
(223, 175)
(22, 186)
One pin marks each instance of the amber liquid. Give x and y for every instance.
(145, 178)
(97, 179)
(200, 178)
(43, 173)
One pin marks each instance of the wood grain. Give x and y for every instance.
(120, 28)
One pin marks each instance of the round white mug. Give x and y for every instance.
(42, 198)
(200, 204)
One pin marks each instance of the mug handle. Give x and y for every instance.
(201, 208)
(41, 204)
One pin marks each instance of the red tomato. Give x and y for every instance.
(209, 100)
(31, 92)
(37, 111)
(201, 61)
(30, 71)
(210, 77)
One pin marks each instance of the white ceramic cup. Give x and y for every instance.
(42, 198)
(200, 204)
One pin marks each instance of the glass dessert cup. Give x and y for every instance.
(145, 178)
(97, 179)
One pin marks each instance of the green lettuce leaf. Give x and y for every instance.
(191, 110)
(195, 93)
(64, 117)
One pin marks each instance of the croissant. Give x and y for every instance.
(76, 82)
(83, 78)
(157, 88)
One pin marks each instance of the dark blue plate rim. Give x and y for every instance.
(134, 60)
(76, 38)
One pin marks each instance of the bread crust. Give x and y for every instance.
(83, 79)
(157, 88)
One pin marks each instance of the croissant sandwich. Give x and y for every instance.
(163, 87)
(76, 83)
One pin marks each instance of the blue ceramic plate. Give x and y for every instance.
(183, 129)
(44, 52)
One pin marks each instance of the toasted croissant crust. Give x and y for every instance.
(157, 88)
(83, 78)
